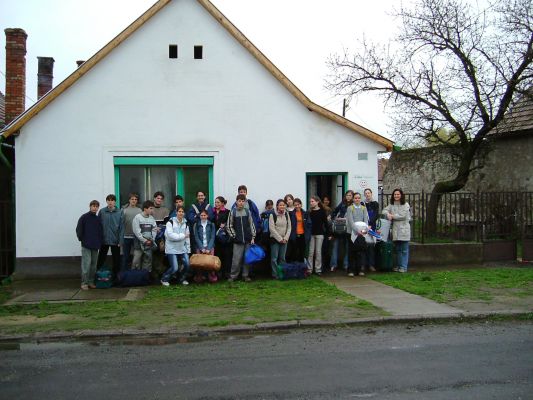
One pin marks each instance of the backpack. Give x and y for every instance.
(339, 226)
(104, 278)
(264, 221)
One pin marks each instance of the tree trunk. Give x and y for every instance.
(444, 187)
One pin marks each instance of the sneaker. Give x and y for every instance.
(402, 270)
(333, 269)
(361, 273)
(165, 283)
(395, 269)
(184, 282)
(247, 279)
(351, 275)
(92, 286)
(371, 269)
(84, 287)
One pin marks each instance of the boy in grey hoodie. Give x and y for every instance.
(145, 230)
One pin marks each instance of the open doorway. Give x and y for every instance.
(331, 184)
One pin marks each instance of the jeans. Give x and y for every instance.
(88, 265)
(344, 244)
(277, 256)
(402, 253)
(173, 260)
(126, 252)
(315, 253)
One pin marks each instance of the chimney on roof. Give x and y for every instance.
(45, 76)
(79, 62)
(15, 73)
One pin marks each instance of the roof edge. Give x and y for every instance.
(18, 122)
(287, 83)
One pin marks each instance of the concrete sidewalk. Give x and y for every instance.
(67, 290)
(395, 301)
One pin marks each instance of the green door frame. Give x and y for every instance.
(165, 161)
(308, 174)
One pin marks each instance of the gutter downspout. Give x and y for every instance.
(3, 158)
(6, 162)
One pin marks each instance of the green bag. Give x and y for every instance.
(104, 278)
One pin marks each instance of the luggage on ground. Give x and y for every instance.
(134, 277)
(294, 270)
(254, 254)
(205, 262)
(103, 278)
(384, 256)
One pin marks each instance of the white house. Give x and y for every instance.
(178, 101)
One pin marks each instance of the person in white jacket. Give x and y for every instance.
(398, 212)
(177, 247)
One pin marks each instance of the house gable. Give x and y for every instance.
(15, 127)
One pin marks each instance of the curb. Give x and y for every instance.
(267, 327)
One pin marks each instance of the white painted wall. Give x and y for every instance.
(137, 101)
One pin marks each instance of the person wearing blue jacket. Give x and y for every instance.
(204, 239)
(113, 225)
(193, 214)
(90, 233)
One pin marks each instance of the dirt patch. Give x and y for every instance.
(502, 300)
(31, 319)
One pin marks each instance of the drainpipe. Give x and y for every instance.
(3, 158)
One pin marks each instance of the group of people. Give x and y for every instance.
(287, 231)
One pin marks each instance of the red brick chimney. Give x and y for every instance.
(45, 76)
(15, 72)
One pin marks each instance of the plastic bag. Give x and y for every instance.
(254, 254)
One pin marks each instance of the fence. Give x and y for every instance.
(479, 216)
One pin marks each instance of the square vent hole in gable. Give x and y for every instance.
(198, 52)
(172, 51)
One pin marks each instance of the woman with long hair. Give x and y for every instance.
(399, 213)
(319, 229)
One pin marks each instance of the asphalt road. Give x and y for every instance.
(448, 361)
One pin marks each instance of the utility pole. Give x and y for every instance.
(344, 107)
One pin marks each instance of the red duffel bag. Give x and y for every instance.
(205, 262)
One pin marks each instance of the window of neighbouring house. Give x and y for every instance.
(171, 175)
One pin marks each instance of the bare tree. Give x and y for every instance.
(451, 66)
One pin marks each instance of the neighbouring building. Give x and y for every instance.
(506, 157)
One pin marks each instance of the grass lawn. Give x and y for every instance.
(470, 284)
(194, 306)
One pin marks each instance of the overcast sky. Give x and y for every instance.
(296, 35)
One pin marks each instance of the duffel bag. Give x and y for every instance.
(254, 254)
(205, 262)
(134, 277)
(295, 270)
